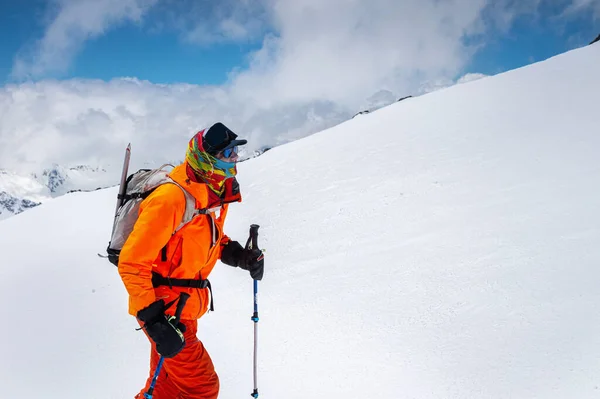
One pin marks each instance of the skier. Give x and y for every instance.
(158, 262)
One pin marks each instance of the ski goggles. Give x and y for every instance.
(228, 153)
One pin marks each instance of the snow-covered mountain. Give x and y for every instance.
(11, 205)
(61, 180)
(23, 191)
(19, 193)
(444, 247)
(383, 98)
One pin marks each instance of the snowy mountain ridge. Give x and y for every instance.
(61, 180)
(20, 192)
(11, 205)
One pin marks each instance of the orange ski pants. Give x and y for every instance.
(188, 375)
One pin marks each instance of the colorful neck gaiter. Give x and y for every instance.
(209, 169)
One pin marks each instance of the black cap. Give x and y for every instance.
(218, 138)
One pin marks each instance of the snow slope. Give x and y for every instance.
(443, 247)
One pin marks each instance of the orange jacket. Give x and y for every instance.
(191, 253)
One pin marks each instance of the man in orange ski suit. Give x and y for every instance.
(159, 262)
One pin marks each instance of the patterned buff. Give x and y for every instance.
(206, 167)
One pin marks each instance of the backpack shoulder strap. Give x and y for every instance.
(190, 206)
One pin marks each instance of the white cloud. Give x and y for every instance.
(320, 62)
(578, 6)
(344, 51)
(90, 122)
(75, 22)
(470, 77)
(209, 22)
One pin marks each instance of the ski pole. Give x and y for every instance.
(255, 320)
(148, 395)
(251, 244)
(182, 300)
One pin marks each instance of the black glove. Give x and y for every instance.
(162, 329)
(253, 260)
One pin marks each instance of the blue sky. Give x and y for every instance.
(127, 50)
(160, 58)
(535, 38)
(158, 49)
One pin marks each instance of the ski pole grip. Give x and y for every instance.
(183, 297)
(254, 235)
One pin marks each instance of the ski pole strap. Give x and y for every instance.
(183, 297)
(254, 235)
(159, 280)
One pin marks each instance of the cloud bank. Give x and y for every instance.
(318, 62)
(90, 122)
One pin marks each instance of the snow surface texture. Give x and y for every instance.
(443, 247)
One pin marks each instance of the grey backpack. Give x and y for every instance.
(138, 187)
